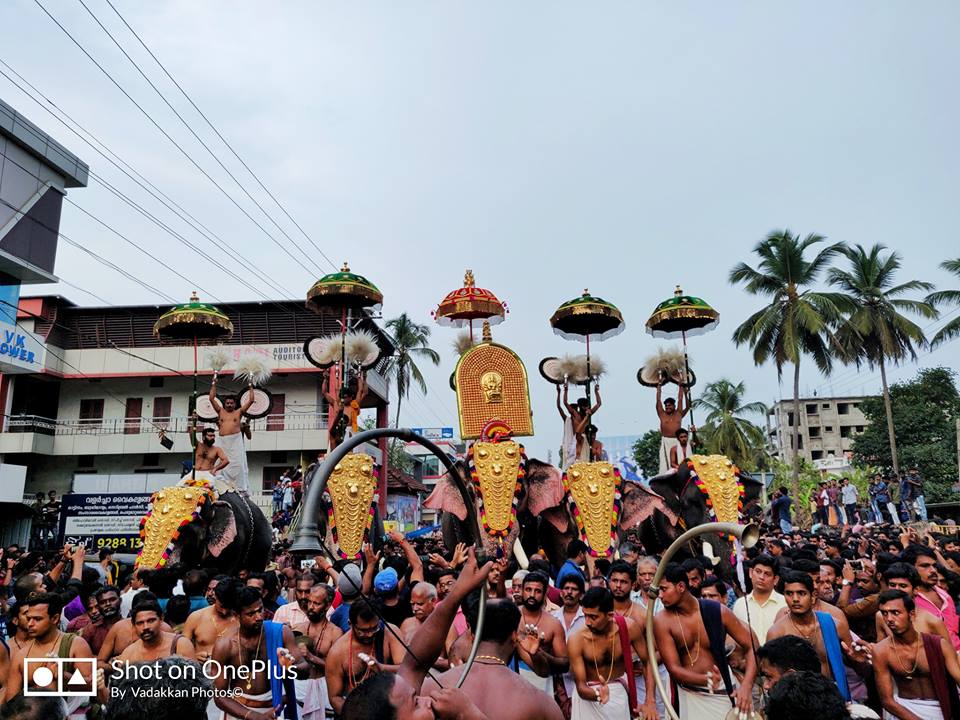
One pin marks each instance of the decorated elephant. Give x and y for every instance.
(707, 488)
(542, 519)
(194, 526)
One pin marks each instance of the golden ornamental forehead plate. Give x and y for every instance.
(352, 485)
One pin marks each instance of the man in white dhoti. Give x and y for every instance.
(229, 417)
(671, 414)
(601, 662)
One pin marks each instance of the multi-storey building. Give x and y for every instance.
(827, 427)
(88, 420)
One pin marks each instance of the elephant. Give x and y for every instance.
(543, 520)
(689, 508)
(229, 533)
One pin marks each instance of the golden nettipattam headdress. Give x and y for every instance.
(719, 480)
(593, 491)
(351, 487)
(170, 510)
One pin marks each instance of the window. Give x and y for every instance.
(789, 419)
(800, 443)
(828, 429)
(156, 382)
(859, 429)
(161, 410)
(275, 418)
(845, 431)
(825, 406)
(816, 454)
(270, 477)
(91, 411)
(131, 420)
(814, 432)
(811, 408)
(431, 466)
(843, 408)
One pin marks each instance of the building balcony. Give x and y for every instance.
(35, 434)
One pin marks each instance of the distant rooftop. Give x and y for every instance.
(17, 128)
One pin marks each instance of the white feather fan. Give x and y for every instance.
(217, 359)
(463, 342)
(362, 347)
(253, 369)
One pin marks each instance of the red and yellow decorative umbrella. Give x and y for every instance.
(464, 305)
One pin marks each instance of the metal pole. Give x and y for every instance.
(748, 535)
(308, 534)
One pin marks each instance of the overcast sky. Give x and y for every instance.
(551, 147)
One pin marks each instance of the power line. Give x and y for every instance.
(218, 134)
(192, 132)
(146, 185)
(170, 138)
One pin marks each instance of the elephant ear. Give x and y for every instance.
(640, 503)
(667, 490)
(446, 496)
(544, 487)
(222, 529)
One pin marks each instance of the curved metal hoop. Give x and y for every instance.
(748, 535)
(308, 534)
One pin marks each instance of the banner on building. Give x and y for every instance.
(109, 520)
(435, 433)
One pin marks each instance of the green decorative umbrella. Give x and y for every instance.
(682, 316)
(344, 290)
(584, 318)
(193, 320)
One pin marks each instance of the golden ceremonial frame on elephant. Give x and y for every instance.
(351, 486)
(491, 384)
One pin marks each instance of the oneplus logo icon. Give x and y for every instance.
(59, 677)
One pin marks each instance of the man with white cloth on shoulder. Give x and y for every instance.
(229, 416)
(601, 661)
(691, 637)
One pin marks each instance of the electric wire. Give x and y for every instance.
(195, 135)
(170, 138)
(219, 134)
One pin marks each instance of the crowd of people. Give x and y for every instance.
(893, 498)
(854, 621)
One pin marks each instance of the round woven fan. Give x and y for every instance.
(262, 403)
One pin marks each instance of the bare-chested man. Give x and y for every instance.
(42, 620)
(206, 626)
(550, 657)
(423, 601)
(209, 458)
(905, 662)
(830, 638)
(246, 663)
(598, 664)
(319, 636)
(122, 633)
(152, 643)
(580, 416)
(683, 640)
(368, 647)
(229, 417)
(345, 410)
(671, 414)
(901, 576)
(495, 689)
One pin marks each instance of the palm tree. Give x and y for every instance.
(731, 434)
(798, 320)
(877, 331)
(944, 297)
(411, 341)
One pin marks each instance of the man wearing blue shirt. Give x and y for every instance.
(780, 509)
(576, 556)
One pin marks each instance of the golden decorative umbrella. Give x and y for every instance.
(464, 305)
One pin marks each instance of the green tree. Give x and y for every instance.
(947, 297)
(878, 331)
(646, 453)
(730, 432)
(925, 410)
(798, 320)
(411, 342)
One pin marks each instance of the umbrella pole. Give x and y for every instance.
(686, 379)
(193, 466)
(589, 399)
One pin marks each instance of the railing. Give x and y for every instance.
(136, 426)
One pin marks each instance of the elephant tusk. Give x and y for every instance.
(708, 553)
(522, 560)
